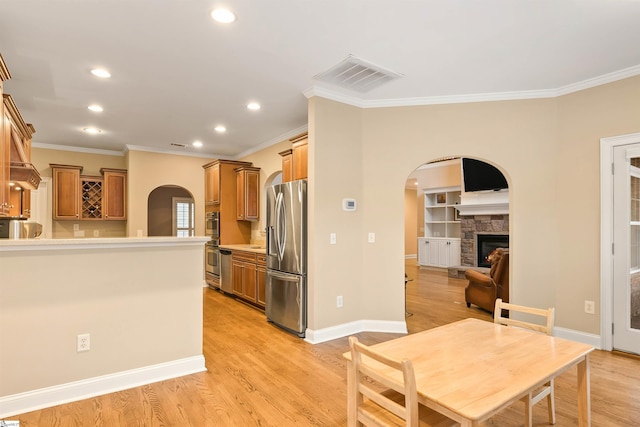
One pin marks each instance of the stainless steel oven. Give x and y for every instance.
(212, 226)
(212, 259)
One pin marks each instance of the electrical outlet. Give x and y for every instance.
(589, 307)
(76, 227)
(96, 233)
(84, 342)
(339, 301)
(332, 238)
(372, 237)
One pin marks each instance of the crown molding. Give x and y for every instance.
(333, 95)
(77, 149)
(129, 147)
(283, 137)
(4, 71)
(600, 80)
(479, 97)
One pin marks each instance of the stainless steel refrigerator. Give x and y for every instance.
(286, 292)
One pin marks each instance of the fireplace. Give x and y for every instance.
(487, 243)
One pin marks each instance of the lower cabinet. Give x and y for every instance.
(249, 276)
(438, 252)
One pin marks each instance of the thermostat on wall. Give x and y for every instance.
(349, 204)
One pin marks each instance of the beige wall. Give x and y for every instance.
(147, 171)
(336, 171)
(141, 305)
(546, 148)
(411, 222)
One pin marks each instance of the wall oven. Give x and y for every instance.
(212, 225)
(212, 260)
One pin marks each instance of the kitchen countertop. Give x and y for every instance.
(98, 242)
(258, 249)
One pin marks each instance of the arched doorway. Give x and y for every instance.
(170, 212)
(445, 226)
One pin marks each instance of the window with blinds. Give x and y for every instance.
(183, 217)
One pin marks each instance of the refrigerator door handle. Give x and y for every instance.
(284, 276)
(281, 225)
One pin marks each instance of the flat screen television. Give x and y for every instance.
(480, 176)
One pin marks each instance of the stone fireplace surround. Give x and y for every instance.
(470, 225)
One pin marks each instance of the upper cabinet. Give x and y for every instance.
(114, 195)
(295, 159)
(66, 192)
(79, 197)
(17, 174)
(212, 183)
(226, 192)
(248, 193)
(300, 158)
(5, 153)
(287, 165)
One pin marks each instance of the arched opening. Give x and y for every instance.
(456, 214)
(171, 212)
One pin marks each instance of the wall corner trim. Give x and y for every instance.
(21, 403)
(346, 329)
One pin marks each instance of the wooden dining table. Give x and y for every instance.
(472, 369)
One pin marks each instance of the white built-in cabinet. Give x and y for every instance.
(440, 246)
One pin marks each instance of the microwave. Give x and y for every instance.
(212, 226)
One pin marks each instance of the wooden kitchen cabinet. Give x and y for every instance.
(247, 193)
(300, 157)
(212, 184)
(221, 196)
(5, 148)
(295, 160)
(245, 278)
(261, 279)
(287, 165)
(66, 192)
(114, 196)
(5, 153)
(82, 197)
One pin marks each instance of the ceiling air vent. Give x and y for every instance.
(357, 75)
(173, 144)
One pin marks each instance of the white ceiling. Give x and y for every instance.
(177, 73)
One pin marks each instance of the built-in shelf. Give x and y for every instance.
(440, 215)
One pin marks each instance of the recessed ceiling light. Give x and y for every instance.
(92, 131)
(96, 108)
(101, 72)
(223, 16)
(254, 106)
(197, 144)
(220, 129)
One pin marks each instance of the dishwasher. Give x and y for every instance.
(226, 272)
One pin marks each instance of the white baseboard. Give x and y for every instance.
(583, 337)
(70, 392)
(346, 329)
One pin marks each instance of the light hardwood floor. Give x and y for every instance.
(259, 375)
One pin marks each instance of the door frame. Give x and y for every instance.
(606, 233)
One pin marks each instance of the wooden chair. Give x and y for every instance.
(547, 389)
(383, 392)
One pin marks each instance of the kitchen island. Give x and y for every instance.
(139, 299)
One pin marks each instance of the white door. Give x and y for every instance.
(626, 254)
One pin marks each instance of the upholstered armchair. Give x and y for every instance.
(483, 289)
